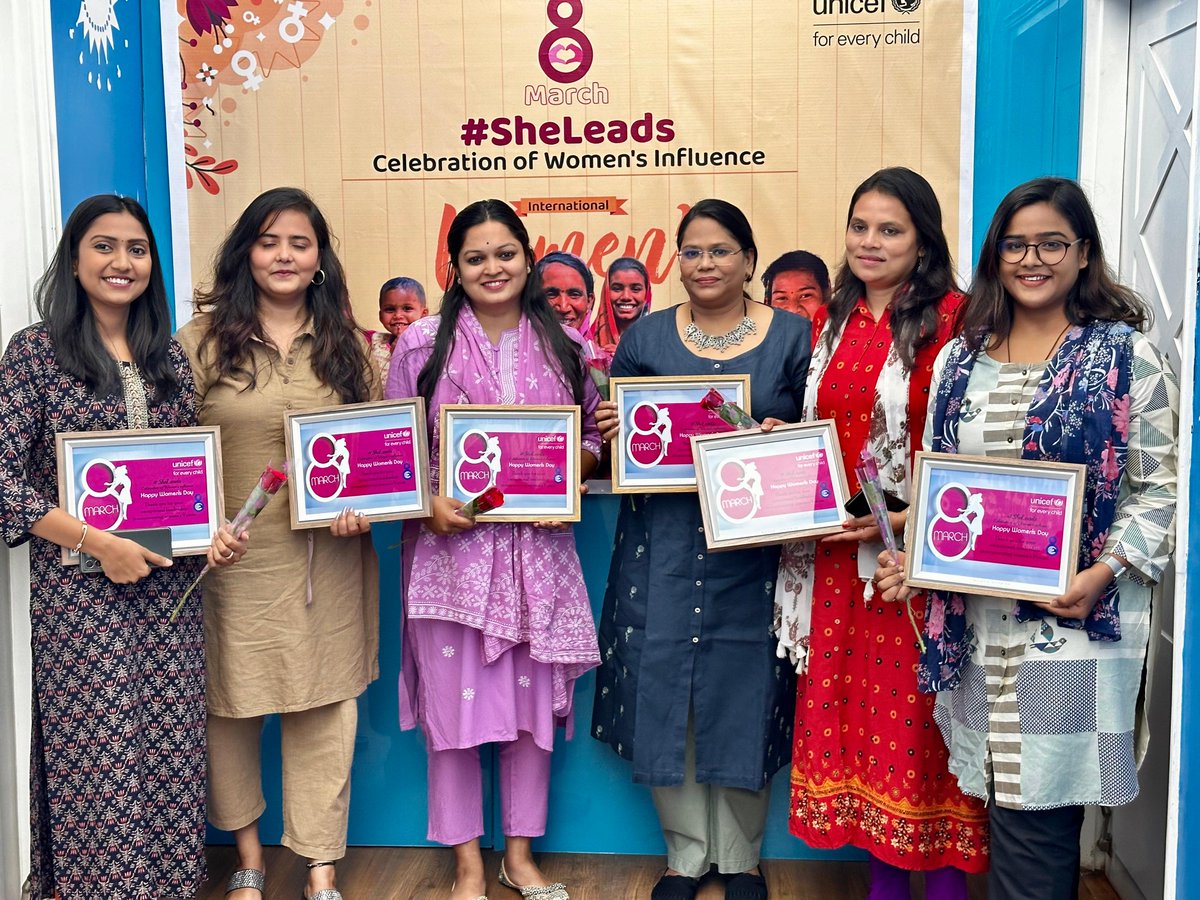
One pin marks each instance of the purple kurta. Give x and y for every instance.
(497, 623)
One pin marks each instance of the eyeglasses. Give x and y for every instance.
(719, 255)
(1049, 253)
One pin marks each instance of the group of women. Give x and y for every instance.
(933, 755)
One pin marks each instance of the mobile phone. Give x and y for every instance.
(858, 505)
(157, 540)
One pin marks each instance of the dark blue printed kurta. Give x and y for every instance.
(685, 628)
(118, 707)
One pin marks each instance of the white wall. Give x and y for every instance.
(29, 227)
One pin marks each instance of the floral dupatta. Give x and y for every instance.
(1079, 413)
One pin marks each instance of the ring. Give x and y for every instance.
(229, 555)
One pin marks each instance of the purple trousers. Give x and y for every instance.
(456, 791)
(891, 883)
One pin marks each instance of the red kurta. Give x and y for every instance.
(868, 762)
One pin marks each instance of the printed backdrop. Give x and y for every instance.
(599, 120)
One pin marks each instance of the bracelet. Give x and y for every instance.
(79, 546)
(1118, 568)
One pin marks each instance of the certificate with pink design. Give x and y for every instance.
(761, 487)
(370, 457)
(530, 453)
(1006, 528)
(652, 452)
(144, 478)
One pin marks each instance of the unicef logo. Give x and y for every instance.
(565, 53)
(905, 6)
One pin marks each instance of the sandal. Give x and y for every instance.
(324, 893)
(480, 897)
(556, 891)
(746, 887)
(675, 887)
(254, 879)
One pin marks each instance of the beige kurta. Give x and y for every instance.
(268, 650)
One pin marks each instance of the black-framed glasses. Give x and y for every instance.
(1050, 252)
(719, 255)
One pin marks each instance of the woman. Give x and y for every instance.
(117, 762)
(690, 688)
(624, 298)
(1049, 333)
(295, 630)
(504, 672)
(868, 765)
(569, 288)
(798, 281)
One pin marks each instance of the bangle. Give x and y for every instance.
(79, 546)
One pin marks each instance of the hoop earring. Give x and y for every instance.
(320, 272)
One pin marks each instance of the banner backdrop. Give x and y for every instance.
(601, 121)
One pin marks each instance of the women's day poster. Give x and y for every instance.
(601, 122)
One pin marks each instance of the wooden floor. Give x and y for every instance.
(407, 873)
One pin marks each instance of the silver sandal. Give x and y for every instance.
(556, 891)
(324, 893)
(254, 879)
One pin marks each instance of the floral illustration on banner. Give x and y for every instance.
(227, 49)
(97, 21)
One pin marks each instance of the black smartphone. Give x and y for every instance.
(157, 540)
(858, 505)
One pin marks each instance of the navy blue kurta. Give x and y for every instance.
(683, 627)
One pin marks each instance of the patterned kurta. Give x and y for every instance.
(118, 707)
(1034, 694)
(497, 624)
(683, 628)
(869, 767)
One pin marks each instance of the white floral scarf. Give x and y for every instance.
(889, 443)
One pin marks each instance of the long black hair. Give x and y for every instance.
(339, 352)
(1096, 295)
(64, 307)
(915, 302)
(534, 305)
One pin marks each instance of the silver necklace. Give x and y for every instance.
(703, 341)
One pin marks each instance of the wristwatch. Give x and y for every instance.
(1118, 567)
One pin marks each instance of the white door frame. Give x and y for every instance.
(1101, 171)
(29, 231)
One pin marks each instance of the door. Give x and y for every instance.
(1155, 245)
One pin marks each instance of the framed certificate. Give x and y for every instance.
(531, 453)
(652, 452)
(769, 487)
(145, 478)
(1006, 528)
(373, 457)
